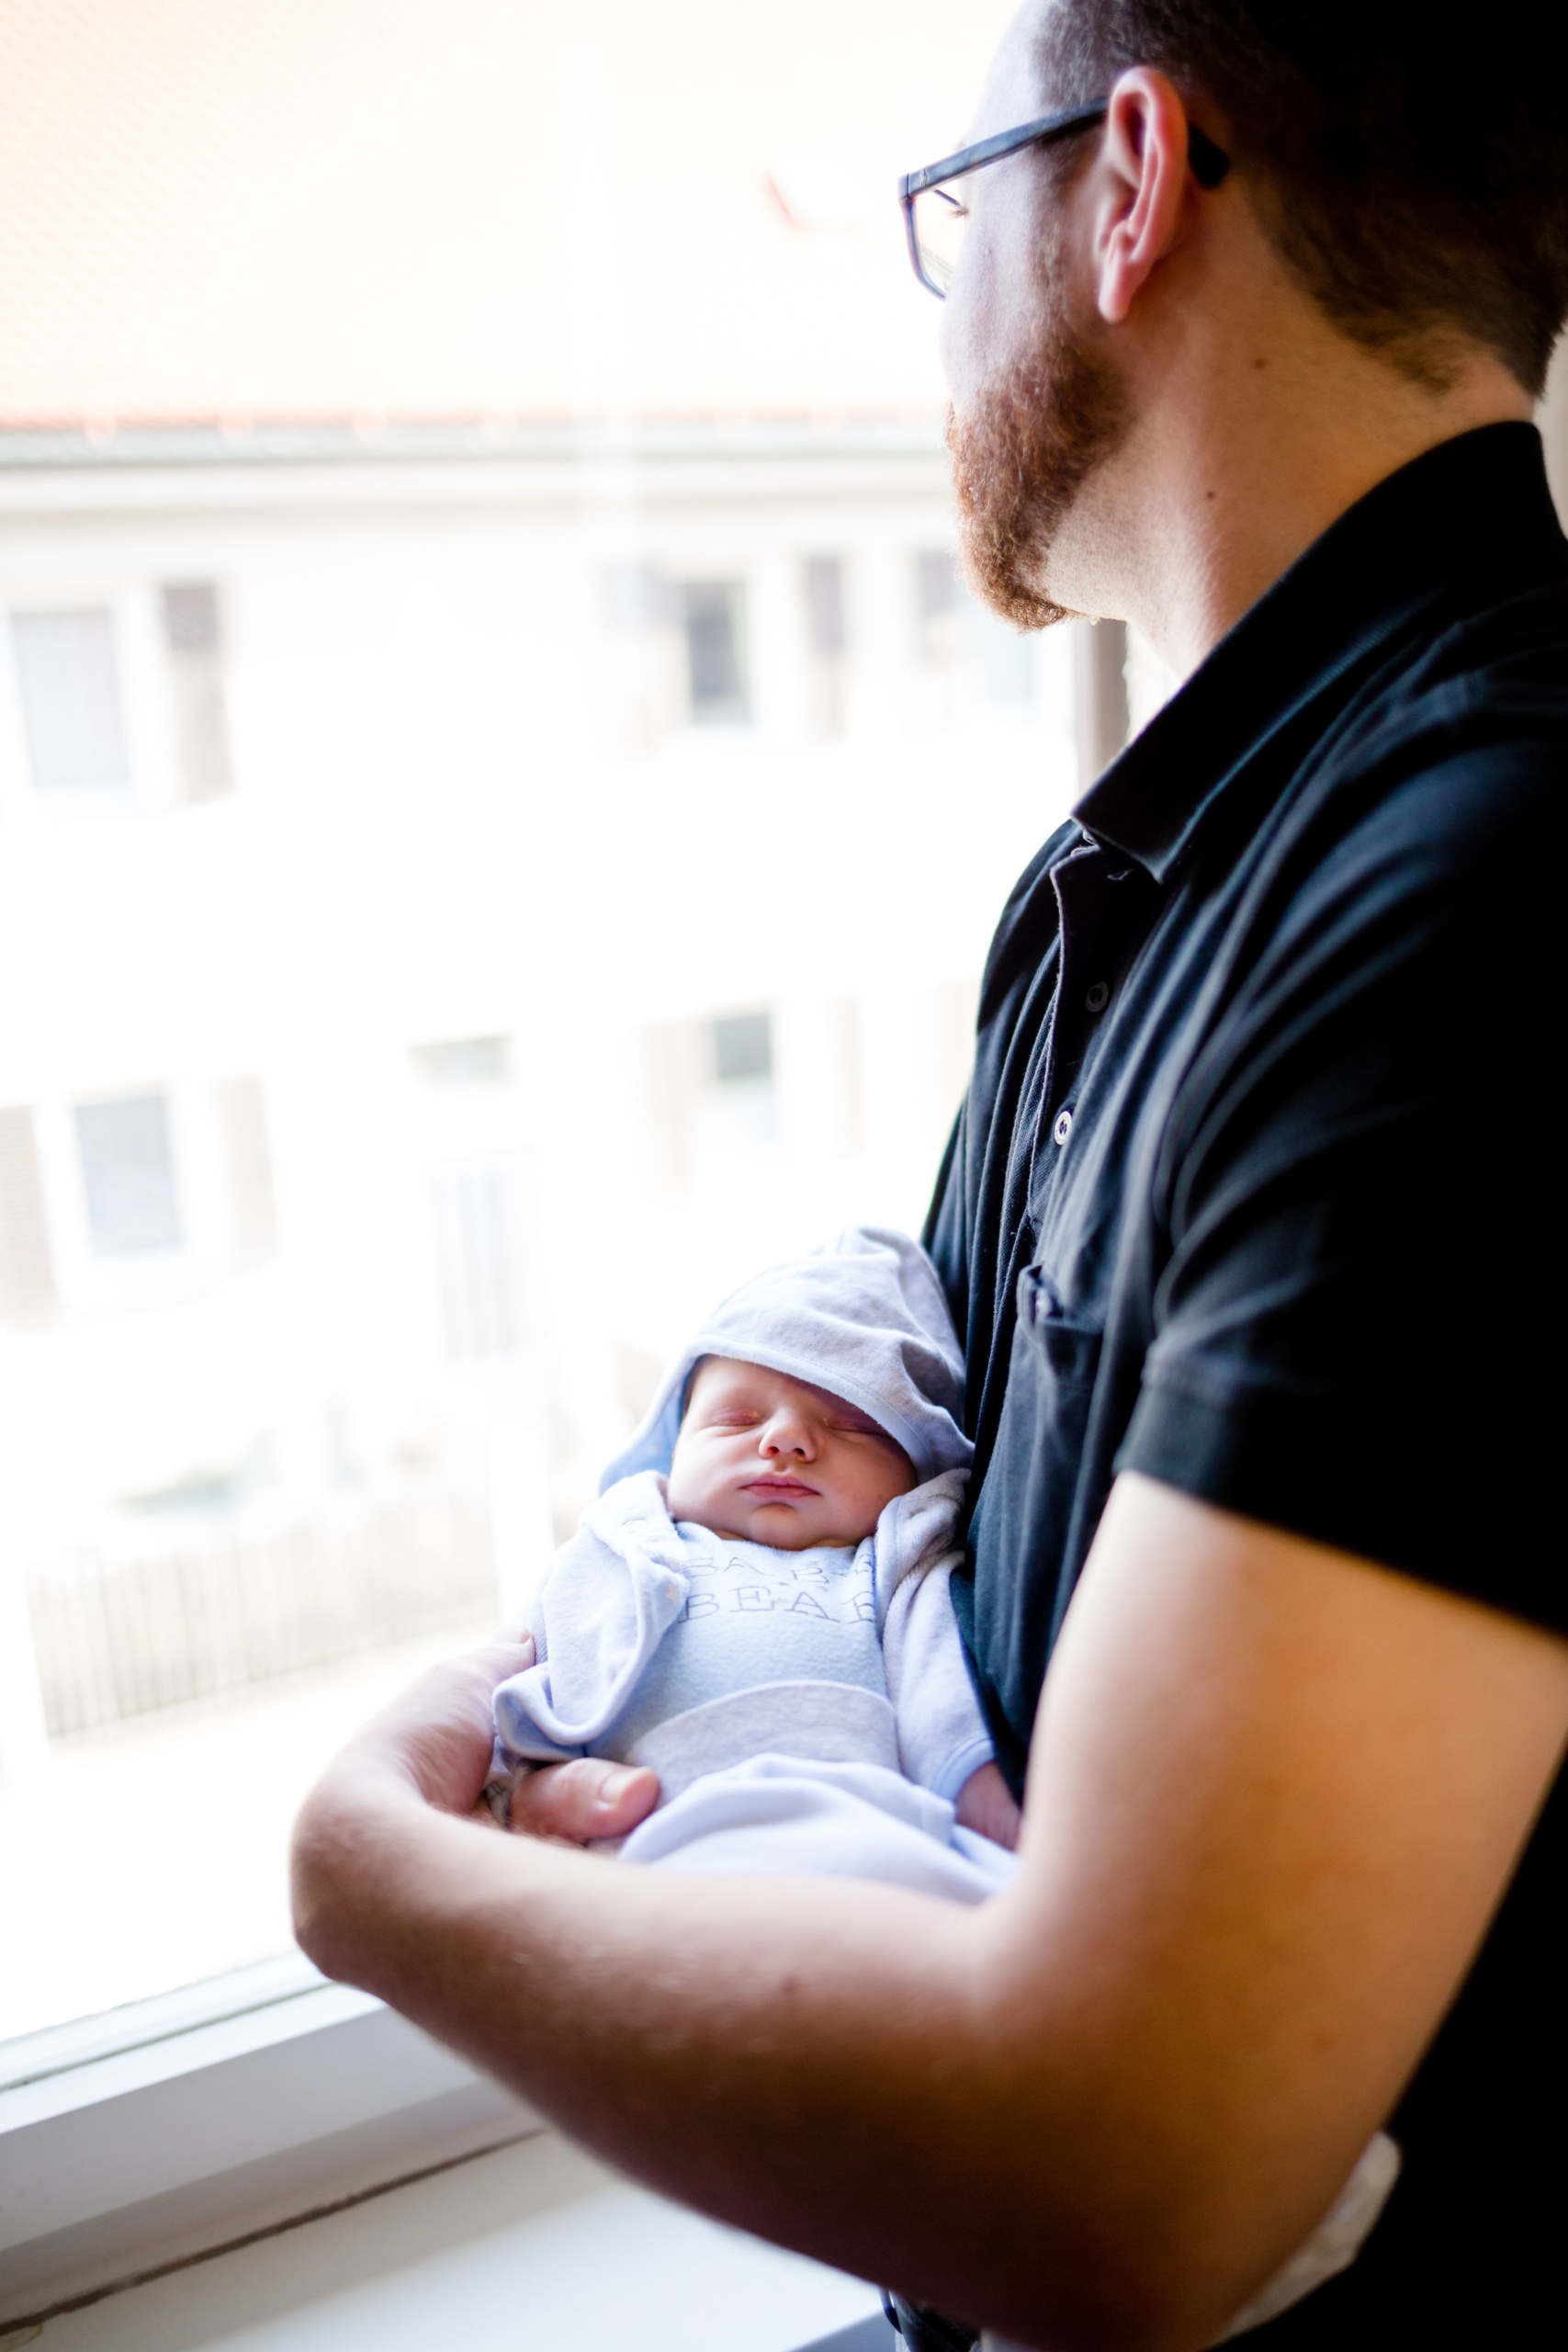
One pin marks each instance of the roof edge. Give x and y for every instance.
(339, 441)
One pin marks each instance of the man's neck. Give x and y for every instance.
(1282, 425)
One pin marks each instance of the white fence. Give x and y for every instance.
(214, 1607)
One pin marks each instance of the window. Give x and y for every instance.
(550, 933)
(127, 1175)
(1006, 660)
(971, 654)
(70, 693)
(942, 630)
(465, 1061)
(825, 618)
(707, 1093)
(716, 652)
(193, 635)
(742, 1048)
(736, 1108)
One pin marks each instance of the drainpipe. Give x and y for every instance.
(1099, 695)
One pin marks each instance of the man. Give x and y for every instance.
(1246, 1224)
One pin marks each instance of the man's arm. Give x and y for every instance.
(1275, 1795)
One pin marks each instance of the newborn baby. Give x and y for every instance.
(757, 1606)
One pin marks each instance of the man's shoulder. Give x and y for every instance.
(1450, 767)
(1475, 681)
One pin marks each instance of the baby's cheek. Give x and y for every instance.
(693, 1488)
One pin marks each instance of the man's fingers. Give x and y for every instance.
(576, 1803)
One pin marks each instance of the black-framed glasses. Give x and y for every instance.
(935, 219)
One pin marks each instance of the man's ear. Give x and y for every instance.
(1142, 203)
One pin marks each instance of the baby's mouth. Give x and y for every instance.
(778, 1489)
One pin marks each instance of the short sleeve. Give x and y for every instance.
(1355, 1323)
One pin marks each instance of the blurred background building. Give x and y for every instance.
(503, 798)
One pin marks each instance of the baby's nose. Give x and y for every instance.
(785, 1434)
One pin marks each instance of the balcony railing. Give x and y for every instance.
(229, 1602)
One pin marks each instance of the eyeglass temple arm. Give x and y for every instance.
(1210, 163)
(1004, 142)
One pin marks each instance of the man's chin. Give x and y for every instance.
(1002, 543)
(1021, 455)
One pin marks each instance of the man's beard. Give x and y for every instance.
(1034, 435)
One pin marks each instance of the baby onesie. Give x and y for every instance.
(808, 1712)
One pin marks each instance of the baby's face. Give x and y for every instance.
(774, 1461)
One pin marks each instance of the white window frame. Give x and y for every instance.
(139, 2140)
(153, 784)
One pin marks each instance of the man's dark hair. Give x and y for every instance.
(1413, 172)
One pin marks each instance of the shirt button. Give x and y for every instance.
(1099, 997)
(1061, 1129)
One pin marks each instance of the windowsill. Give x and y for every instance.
(274, 2154)
(151, 2134)
(534, 2242)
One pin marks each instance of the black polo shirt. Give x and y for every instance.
(1254, 1192)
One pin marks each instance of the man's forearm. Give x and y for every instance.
(679, 2025)
(1276, 1794)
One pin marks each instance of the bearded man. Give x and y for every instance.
(1244, 1223)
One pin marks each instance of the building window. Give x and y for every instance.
(26, 1267)
(193, 632)
(1006, 660)
(71, 705)
(942, 631)
(708, 1089)
(957, 634)
(742, 1048)
(735, 1109)
(825, 626)
(464, 1061)
(127, 1175)
(716, 652)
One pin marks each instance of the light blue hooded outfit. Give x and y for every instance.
(808, 1712)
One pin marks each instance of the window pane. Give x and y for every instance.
(65, 668)
(941, 591)
(465, 1061)
(743, 1046)
(716, 651)
(825, 616)
(586, 912)
(127, 1175)
(825, 602)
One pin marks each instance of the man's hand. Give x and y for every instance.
(439, 1733)
(985, 1804)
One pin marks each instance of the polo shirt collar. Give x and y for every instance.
(1473, 508)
